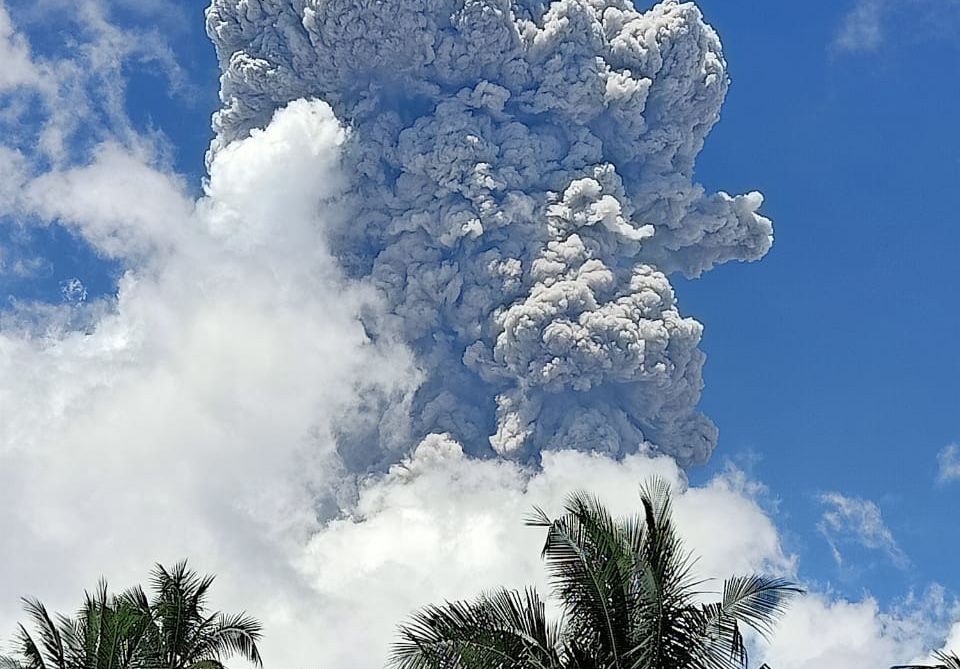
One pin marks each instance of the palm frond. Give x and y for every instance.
(172, 591)
(7, 662)
(664, 620)
(182, 634)
(231, 634)
(49, 652)
(758, 601)
(207, 664)
(590, 564)
(663, 552)
(30, 651)
(718, 640)
(537, 518)
(505, 629)
(949, 660)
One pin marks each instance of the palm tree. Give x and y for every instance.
(947, 661)
(172, 630)
(182, 634)
(628, 597)
(106, 633)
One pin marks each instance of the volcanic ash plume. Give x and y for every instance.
(520, 190)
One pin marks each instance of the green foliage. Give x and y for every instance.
(172, 630)
(628, 597)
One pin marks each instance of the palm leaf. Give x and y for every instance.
(949, 660)
(221, 634)
(49, 652)
(505, 629)
(590, 564)
(664, 622)
(758, 601)
(182, 635)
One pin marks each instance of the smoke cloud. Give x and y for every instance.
(427, 274)
(520, 190)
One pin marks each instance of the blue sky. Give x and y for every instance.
(833, 360)
(832, 370)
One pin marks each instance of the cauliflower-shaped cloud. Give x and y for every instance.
(520, 189)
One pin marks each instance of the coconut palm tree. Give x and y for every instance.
(182, 634)
(171, 630)
(106, 633)
(628, 597)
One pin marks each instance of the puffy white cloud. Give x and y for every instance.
(824, 631)
(195, 415)
(445, 526)
(952, 644)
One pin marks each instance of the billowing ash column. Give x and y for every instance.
(520, 190)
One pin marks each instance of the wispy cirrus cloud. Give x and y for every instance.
(948, 461)
(861, 27)
(868, 25)
(854, 520)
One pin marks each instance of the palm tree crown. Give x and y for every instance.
(107, 633)
(182, 634)
(628, 597)
(172, 630)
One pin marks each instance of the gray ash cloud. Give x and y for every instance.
(520, 191)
